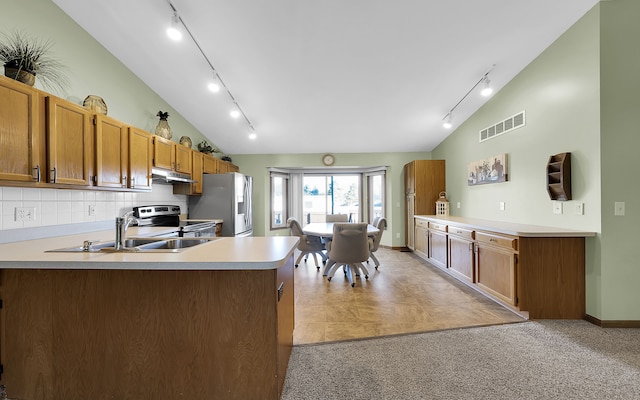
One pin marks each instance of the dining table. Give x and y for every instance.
(325, 231)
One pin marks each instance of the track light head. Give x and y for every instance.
(447, 123)
(173, 31)
(486, 90)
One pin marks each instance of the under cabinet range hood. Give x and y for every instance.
(165, 176)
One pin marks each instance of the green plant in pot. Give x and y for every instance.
(25, 58)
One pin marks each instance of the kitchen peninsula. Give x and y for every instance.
(214, 321)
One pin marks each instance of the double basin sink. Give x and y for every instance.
(142, 245)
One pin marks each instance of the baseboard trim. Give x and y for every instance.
(612, 323)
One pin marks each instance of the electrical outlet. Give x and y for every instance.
(557, 207)
(25, 213)
(458, 205)
(92, 210)
(580, 208)
(502, 206)
(619, 208)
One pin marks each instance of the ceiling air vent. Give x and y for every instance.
(509, 124)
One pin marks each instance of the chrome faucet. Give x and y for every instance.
(122, 223)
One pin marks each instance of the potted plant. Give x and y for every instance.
(26, 58)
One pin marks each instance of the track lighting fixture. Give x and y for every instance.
(173, 31)
(486, 91)
(217, 83)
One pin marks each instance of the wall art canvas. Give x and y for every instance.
(488, 170)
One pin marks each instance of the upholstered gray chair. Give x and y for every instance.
(337, 218)
(374, 241)
(307, 245)
(348, 248)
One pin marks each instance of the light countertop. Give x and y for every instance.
(223, 253)
(507, 228)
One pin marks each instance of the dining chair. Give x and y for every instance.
(374, 241)
(308, 244)
(349, 248)
(337, 218)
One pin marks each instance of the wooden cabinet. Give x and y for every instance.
(438, 244)
(197, 171)
(461, 253)
(496, 265)
(559, 177)
(542, 275)
(20, 133)
(140, 158)
(184, 159)
(225, 166)
(69, 143)
(147, 334)
(422, 238)
(112, 152)
(424, 180)
(164, 153)
(210, 164)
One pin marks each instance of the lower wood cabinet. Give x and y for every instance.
(146, 334)
(461, 253)
(542, 275)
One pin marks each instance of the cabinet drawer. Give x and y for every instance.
(463, 233)
(422, 223)
(437, 227)
(498, 240)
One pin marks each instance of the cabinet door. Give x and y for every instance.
(70, 144)
(461, 260)
(164, 153)
(183, 159)
(496, 271)
(210, 165)
(422, 241)
(410, 221)
(409, 178)
(438, 248)
(140, 158)
(223, 167)
(19, 132)
(285, 312)
(112, 148)
(198, 170)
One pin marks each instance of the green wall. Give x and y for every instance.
(257, 166)
(619, 145)
(92, 69)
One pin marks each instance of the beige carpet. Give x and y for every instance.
(528, 360)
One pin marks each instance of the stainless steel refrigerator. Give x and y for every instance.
(227, 197)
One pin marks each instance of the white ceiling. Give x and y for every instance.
(316, 76)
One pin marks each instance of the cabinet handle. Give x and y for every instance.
(280, 290)
(471, 247)
(133, 181)
(493, 240)
(54, 175)
(37, 171)
(124, 181)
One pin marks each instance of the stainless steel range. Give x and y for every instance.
(167, 215)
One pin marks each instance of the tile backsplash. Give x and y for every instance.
(61, 207)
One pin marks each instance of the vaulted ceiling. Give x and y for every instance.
(327, 75)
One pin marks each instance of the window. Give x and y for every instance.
(279, 200)
(331, 194)
(376, 195)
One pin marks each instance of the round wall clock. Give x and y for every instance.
(328, 159)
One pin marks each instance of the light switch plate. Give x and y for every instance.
(580, 208)
(502, 206)
(557, 207)
(619, 208)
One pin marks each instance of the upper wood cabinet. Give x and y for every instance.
(210, 164)
(140, 158)
(197, 163)
(184, 159)
(226, 166)
(20, 133)
(112, 152)
(164, 153)
(69, 142)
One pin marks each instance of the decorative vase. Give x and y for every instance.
(163, 129)
(186, 141)
(20, 75)
(95, 103)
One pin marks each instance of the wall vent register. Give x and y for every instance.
(507, 125)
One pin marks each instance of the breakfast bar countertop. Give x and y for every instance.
(222, 253)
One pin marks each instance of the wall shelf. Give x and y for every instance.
(559, 177)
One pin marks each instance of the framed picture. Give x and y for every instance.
(488, 170)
